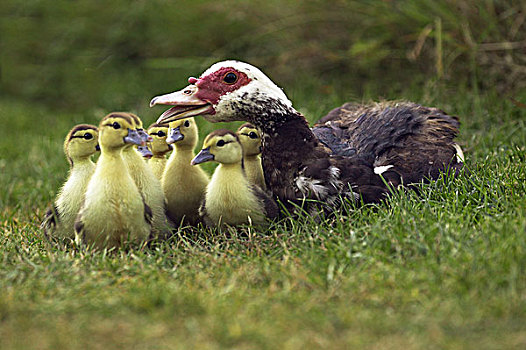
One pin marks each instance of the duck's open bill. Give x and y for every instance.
(186, 104)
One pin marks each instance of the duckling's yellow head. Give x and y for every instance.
(221, 146)
(81, 142)
(159, 133)
(250, 139)
(116, 130)
(183, 133)
(139, 127)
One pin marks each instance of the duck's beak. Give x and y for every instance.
(203, 156)
(186, 104)
(133, 137)
(144, 135)
(145, 152)
(174, 135)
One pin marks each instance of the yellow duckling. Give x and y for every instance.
(250, 139)
(230, 198)
(159, 149)
(183, 184)
(80, 145)
(149, 186)
(114, 211)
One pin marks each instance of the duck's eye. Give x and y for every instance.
(186, 124)
(116, 125)
(230, 78)
(220, 143)
(253, 135)
(161, 134)
(88, 136)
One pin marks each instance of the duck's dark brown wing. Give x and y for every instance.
(402, 140)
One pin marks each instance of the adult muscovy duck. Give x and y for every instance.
(355, 151)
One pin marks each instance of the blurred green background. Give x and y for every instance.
(69, 62)
(100, 56)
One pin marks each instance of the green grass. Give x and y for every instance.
(445, 269)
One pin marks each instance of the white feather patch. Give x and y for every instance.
(335, 172)
(316, 187)
(308, 185)
(382, 169)
(460, 154)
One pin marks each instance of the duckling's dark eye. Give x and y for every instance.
(161, 134)
(186, 124)
(230, 78)
(253, 135)
(88, 136)
(220, 143)
(116, 125)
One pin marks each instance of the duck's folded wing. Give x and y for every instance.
(79, 228)
(203, 214)
(50, 221)
(148, 214)
(404, 139)
(269, 204)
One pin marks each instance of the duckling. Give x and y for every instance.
(230, 198)
(159, 149)
(183, 184)
(250, 139)
(149, 186)
(80, 145)
(114, 210)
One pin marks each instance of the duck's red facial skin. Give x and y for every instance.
(212, 86)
